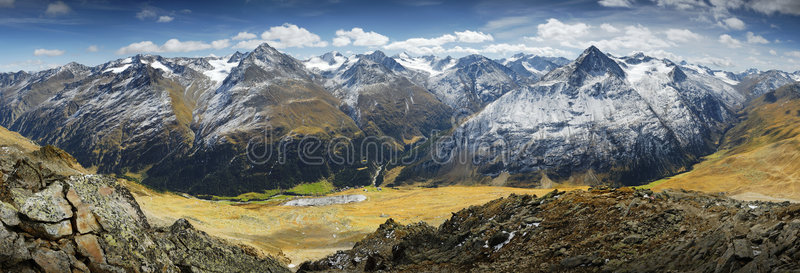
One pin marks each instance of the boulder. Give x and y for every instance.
(8, 214)
(12, 248)
(52, 231)
(52, 261)
(89, 247)
(47, 205)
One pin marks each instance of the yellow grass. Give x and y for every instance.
(765, 163)
(304, 233)
(10, 138)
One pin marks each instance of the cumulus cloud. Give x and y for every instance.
(92, 48)
(615, 3)
(682, 35)
(756, 39)
(165, 19)
(244, 35)
(609, 28)
(423, 45)
(285, 36)
(558, 31)
(359, 37)
(504, 48)
(48, 52)
(733, 23)
(6, 3)
(172, 45)
(793, 53)
(469, 36)
(773, 52)
(57, 8)
(714, 61)
(729, 41)
(635, 37)
(769, 7)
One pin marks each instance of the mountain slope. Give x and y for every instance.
(472, 82)
(379, 94)
(532, 66)
(759, 155)
(597, 120)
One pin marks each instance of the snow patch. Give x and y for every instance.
(221, 70)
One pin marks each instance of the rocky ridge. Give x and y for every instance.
(599, 230)
(57, 219)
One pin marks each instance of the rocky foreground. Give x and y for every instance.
(57, 219)
(600, 230)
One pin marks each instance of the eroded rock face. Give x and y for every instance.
(600, 230)
(39, 206)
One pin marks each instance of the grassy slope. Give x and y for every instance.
(304, 233)
(9, 138)
(760, 156)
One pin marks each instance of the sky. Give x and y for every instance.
(731, 35)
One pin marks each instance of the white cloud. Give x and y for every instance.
(469, 36)
(359, 37)
(714, 61)
(165, 19)
(770, 7)
(92, 48)
(6, 3)
(57, 8)
(507, 22)
(556, 30)
(423, 45)
(681, 4)
(459, 49)
(793, 53)
(609, 28)
(516, 48)
(146, 13)
(756, 39)
(172, 45)
(635, 37)
(682, 35)
(244, 35)
(615, 3)
(730, 41)
(733, 23)
(48, 52)
(773, 52)
(289, 35)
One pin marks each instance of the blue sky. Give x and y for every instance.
(728, 34)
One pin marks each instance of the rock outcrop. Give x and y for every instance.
(57, 219)
(600, 230)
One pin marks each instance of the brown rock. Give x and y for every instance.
(89, 247)
(85, 221)
(51, 261)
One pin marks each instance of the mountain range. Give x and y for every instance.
(262, 119)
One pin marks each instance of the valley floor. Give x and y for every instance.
(310, 233)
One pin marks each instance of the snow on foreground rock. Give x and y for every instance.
(55, 219)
